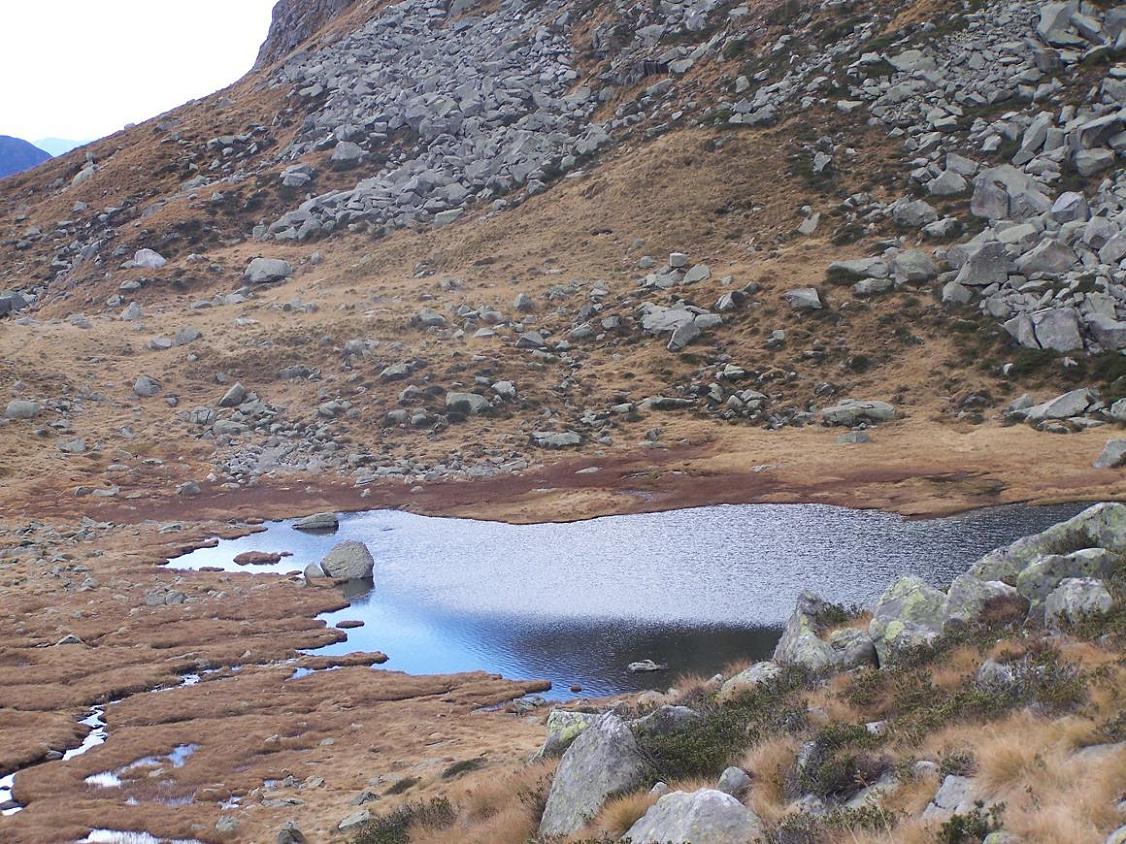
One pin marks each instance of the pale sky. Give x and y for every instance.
(82, 69)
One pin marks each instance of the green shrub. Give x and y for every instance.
(837, 765)
(462, 767)
(971, 827)
(1032, 361)
(405, 784)
(725, 730)
(805, 828)
(395, 827)
(960, 763)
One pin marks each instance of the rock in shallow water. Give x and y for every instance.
(349, 560)
(318, 521)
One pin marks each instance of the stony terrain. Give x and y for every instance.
(527, 261)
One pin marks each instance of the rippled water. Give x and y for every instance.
(576, 603)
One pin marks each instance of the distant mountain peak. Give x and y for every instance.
(17, 155)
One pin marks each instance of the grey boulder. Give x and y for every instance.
(146, 387)
(563, 727)
(850, 412)
(707, 816)
(748, 679)
(466, 404)
(1075, 598)
(317, 521)
(21, 409)
(803, 299)
(267, 270)
(968, 597)
(349, 560)
(800, 644)
(1112, 456)
(910, 613)
(603, 761)
(1100, 526)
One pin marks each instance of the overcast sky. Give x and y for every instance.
(81, 69)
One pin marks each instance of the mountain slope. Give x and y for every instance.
(504, 187)
(17, 155)
(553, 260)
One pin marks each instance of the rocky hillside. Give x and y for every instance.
(441, 242)
(550, 259)
(17, 155)
(293, 22)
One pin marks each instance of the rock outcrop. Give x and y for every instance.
(602, 762)
(293, 22)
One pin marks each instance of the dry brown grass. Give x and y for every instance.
(694, 685)
(952, 671)
(485, 797)
(620, 813)
(769, 764)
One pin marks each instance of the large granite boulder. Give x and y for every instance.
(852, 648)
(968, 596)
(1075, 598)
(706, 816)
(800, 644)
(602, 762)
(267, 270)
(563, 727)
(911, 612)
(851, 412)
(1041, 577)
(1100, 526)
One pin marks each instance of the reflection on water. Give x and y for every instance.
(576, 603)
(115, 836)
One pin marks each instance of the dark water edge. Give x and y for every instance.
(575, 603)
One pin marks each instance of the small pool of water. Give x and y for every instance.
(116, 836)
(116, 778)
(577, 603)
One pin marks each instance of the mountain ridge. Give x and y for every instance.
(18, 155)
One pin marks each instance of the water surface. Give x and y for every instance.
(576, 603)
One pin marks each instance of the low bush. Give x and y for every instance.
(395, 827)
(805, 828)
(724, 731)
(971, 827)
